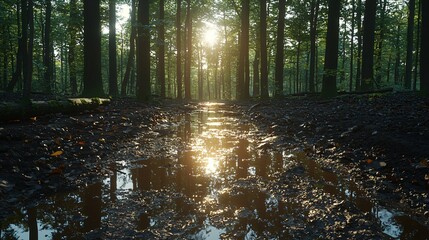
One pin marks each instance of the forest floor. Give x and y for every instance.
(352, 167)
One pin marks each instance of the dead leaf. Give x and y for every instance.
(57, 153)
(82, 143)
(369, 161)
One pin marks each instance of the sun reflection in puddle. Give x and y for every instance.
(211, 166)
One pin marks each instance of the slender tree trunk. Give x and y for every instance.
(359, 45)
(72, 46)
(47, 54)
(131, 54)
(314, 14)
(92, 81)
(179, 49)
(329, 85)
(416, 59)
(243, 74)
(424, 50)
(379, 51)
(17, 74)
(298, 66)
(398, 56)
(113, 68)
(263, 47)
(280, 50)
(410, 42)
(368, 45)
(143, 52)
(256, 63)
(161, 50)
(352, 46)
(188, 57)
(28, 57)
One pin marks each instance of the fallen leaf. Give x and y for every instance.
(82, 143)
(57, 153)
(369, 161)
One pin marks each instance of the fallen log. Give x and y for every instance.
(16, 111)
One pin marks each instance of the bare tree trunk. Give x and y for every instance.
(131, 54)
(188, 58)
(179, 49)
(113, 68)
(410, 42)
(368, 46)
(264, 57)
(143, 52)
(280, 50)
(161, 49)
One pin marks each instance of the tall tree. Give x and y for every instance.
(28, 57)
(367, 82)
(352, 45)
(22, 43)
(314, 14)
(92, 81)
(131, 54)
(47, 48)
(359, 44)
(243, 64)
(143, 52)
(161, 48)
(73, 29)
(280, 49)
(329, 85)
(179, 48)
(264, 57)
(188, 57)
(410, 41)
(113, 72)
(424, 49)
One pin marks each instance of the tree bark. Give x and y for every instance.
(314, 14)
(188, 57)
(92, 81)
(28, 57)
(72, 46)
(131, 54)
(179, 49)
(424, 50)
(279, 65)
(143, 52)
(113, 70)
(243, 64)
(359, 45)
(352, 46)
(329, 84)
(161, 48)
(367, 83)
(410, 41)
(264, 55)
(47, 49)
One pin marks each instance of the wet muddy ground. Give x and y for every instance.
(287, 169)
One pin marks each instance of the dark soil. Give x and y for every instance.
(378, 142)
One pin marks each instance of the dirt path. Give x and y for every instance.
(206, 172)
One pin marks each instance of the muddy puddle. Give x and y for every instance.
(210, 179)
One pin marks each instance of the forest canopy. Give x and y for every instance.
(211, 49)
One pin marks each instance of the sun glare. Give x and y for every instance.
(210, 36)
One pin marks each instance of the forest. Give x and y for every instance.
(211, 49)
(214, 119)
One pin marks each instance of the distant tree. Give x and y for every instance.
(131, 54)
(188, 57)
(92, 81)
(314, 14)
(410, 44)
(424, 50)
(179, 48)
(329, 85)
(28, 56)
(243, 63)
(113, 72)
(279, 64)
(73, 29)
(161, 48)
(367, 82)
(47, 48)
(143, 52)
(263, 47)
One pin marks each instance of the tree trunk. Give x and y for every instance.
(143, 52)
(352, 46)
(359, 45)
(416, 59)
(367, 83)
(242, 83)
(256, 63)
(47, 54)
(278, 92)
(92, 81)
(314, 14)
(410, 42)
(113, 72)
(179, 49)
(263, 46)
(28, 57)
(131, 54)
(188, 57)
(424, 50)
(329, 85)
(72, 46)
(379, 51)
(161, 49)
